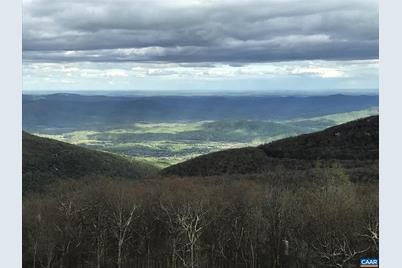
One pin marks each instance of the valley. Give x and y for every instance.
(314, 190)
(168, 143)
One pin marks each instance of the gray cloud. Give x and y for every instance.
(190, 31)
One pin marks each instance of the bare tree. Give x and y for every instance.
(121, 217)
(41, 232)
(32, 229)
(172, 228)
(337, 251)
(275, 223)
(191, 217)
(98, 227)
(69, 228)
(371, 233)
(195, 223)
(48, 240)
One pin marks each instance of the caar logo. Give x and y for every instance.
(368, 263)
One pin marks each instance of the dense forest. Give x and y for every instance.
(46, 161)
(353, 145)
(250, 207)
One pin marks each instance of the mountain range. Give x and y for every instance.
(41, 112)
(352, 146)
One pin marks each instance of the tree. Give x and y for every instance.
(121, 208)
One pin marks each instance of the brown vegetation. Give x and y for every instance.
(199, 222)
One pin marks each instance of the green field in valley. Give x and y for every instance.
(168, 143)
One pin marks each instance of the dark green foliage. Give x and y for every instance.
(354, 140)
(46, 161)
(234, 161)
(353, 145)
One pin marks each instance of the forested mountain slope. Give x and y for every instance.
(46, 160)
(353, 140)
(353, 145)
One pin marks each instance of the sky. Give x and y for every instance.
(274, 45)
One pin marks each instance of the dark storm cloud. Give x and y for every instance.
(199, 31)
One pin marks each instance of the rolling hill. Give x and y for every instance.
(45, 161)
(73, 111)
(354, 145)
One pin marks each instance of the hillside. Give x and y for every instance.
(354, 140)
(46, 160)
(354, 145)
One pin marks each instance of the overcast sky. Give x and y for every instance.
(200, 45)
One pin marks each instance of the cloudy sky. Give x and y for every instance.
(200, 45)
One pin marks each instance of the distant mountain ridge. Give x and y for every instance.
(354, 145)
(77, 111)
(45, 161)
